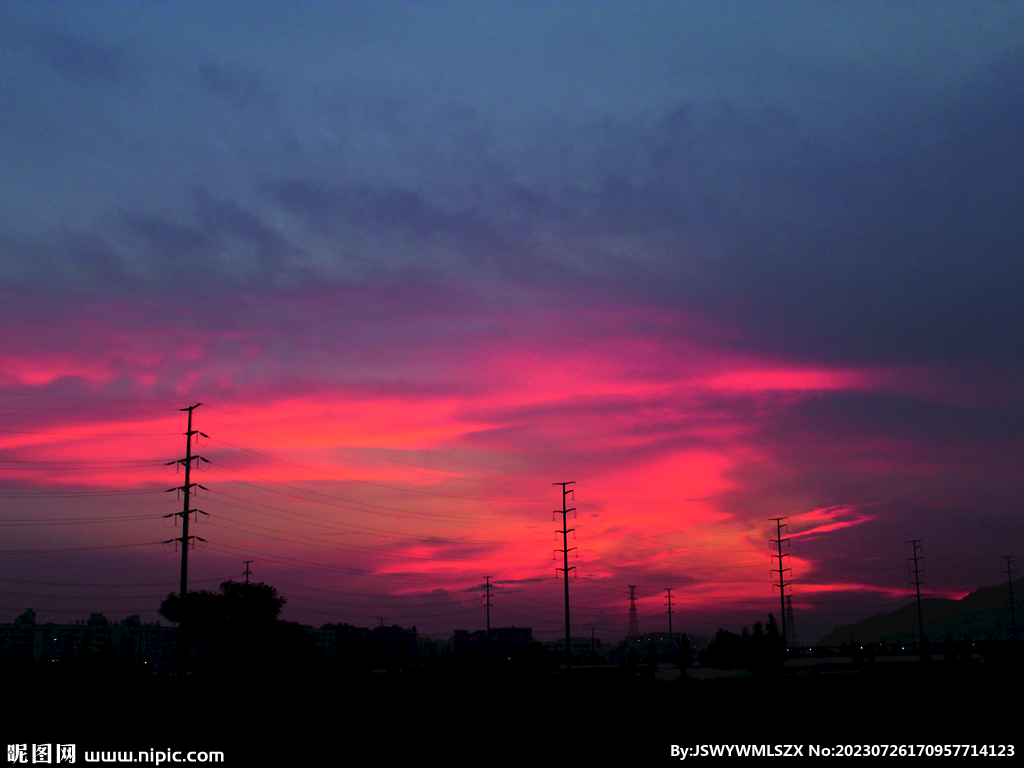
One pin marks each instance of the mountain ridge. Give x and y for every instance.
(983, 614)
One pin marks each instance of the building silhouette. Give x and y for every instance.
(149, 644)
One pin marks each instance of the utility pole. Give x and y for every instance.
(669, 603)
(779, 525)
(185, 540)
(487, 604)
(633, 633)
(918, 560)
(247, 573)
(592, 649)
(566, 530)
(1009, 583)
(791, 638)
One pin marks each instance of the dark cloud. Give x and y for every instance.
(892, 238)
(496, 235)
(898, 244)
(80, 60)
(242, 88)
(856, 416)
(223, 246)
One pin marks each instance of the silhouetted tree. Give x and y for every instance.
(949, 650)
(238, 630)
(238, 607)
(857, 652)
(725, 651)
(925, 652)
(684, 658)
(250, 605)
(652, 654)
(774, 646)
(759, 650)
(965, 648)
(201, 610)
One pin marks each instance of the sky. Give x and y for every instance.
(714, 263)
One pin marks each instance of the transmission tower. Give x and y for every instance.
(779, 525)
(633, 633)
(565, 550)
(187, 491)
(669, 604)
(918, 560)
(487, 603)
(1009, 583)
(791, 638)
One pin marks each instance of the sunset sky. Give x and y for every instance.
(714, 262)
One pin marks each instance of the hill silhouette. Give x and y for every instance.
(982, 615)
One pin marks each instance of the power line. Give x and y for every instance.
(77, 469)
(390, 511)
(73, 494)
(361, 572)
(91, 399)
(138, 462)
(334, 449)
(76, 549)
(377, 485)
(84, 410)
(88, 434)
(354, 529)
(99, 586)
(45, 521)
(341, 547)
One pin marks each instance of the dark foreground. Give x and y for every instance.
(587, 717)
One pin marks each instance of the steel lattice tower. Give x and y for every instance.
(779, 525)
(917, 560)
(633, 633)
(791, 638)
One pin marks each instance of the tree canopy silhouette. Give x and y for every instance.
(237, 629)
(239, 606)
(759, 651)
